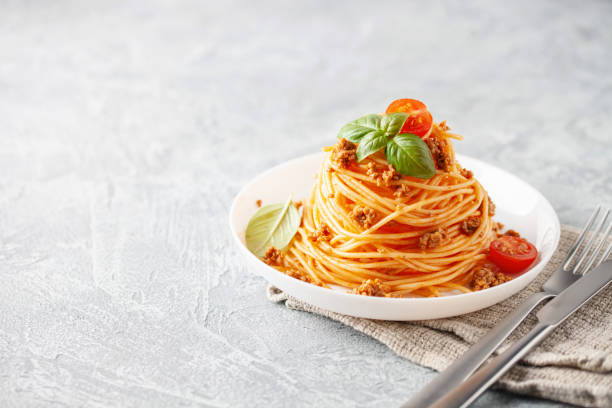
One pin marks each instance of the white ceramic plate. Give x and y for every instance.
(518, 206)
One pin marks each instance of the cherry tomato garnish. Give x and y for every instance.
(419, 122)
(512, 254)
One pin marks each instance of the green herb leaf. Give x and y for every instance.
(371, 143)
(406, 152)
(392, 123)
(272, 225)
(410, 156)
(357, 129)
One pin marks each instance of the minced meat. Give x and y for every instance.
(439, 151)
(470, 225)
(345, 153)
(512, 233)
(364, 216)
(390, 175)
(323, 233)
(401, 191)
(372, 287)
(488, 275)
(491, 206)
(272, 256)
(432, 239)
(467, 173)
(294, 273)
(382, 177)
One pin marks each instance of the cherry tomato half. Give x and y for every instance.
(512, 254)
(419, 122)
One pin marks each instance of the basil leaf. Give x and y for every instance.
(272, 225)
(371, 143)
(392, 123)
(357, 129)
(410, 156)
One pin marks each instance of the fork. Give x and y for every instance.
(564, 276)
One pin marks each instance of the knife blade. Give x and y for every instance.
(549, 317)
(577, 294)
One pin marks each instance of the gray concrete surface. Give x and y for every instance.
(126, 128)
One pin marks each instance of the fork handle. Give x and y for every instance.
(465, 365)
(473, 387)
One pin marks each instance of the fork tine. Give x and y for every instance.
(580, 238)
(596, 251)
(605, 255)
(589, 244)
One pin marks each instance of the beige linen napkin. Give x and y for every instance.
(574, 364)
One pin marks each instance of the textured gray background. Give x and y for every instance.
(126, 129)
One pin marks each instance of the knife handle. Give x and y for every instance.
(473, 387)
(465, 365)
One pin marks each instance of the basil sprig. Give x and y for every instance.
(272, 225)
(410, 156)
(406, 152)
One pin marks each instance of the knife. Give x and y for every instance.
(549, 317)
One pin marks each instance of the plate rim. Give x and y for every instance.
(407, 300)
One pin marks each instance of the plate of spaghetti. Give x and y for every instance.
(389, 223)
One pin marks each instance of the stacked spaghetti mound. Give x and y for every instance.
(380, 233)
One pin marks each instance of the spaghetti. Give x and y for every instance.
(407, 236)
(368, 228)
